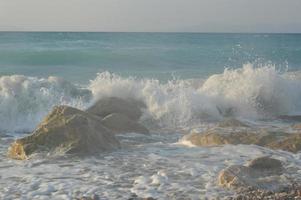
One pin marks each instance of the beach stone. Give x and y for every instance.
(231, 122)
(267, 164)
(220, 136)
(65, 130)
(120, 123)
(259, 174)
(129, 107)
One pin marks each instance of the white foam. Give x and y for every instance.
(24, 101)
(249, 92)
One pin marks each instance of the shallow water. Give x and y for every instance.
(182, 80)
(157, 165)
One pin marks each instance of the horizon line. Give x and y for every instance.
(197, 32)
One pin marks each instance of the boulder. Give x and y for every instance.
(120, 123)
(66, 130)
(262, 173)
(266, 164)
(291, 142)
(219, 136)
(130, 107)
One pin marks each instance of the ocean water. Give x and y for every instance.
(188, 81)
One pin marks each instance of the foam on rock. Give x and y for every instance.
(220, 136)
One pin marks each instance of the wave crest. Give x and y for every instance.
(25, 100)
(249, 92)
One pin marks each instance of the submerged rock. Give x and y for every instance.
(66, 130)
(120, 123)
(106, 106)
(274, 140)
(262, 173)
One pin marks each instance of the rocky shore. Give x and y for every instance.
(67, 130)
(72, 131)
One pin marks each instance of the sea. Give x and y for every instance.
(188, 81)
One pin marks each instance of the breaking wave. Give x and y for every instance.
(249, 92)
(24, 101)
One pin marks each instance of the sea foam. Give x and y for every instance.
(249, 92)
(24, 101)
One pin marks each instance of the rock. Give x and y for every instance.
(231, 176)
(292, 143)
(274, 140)
(66, 130)
(130, 107)
(259, 174)
(266, 164)
(120, 123)
(231, 122)
(296, 118)
(297, 126)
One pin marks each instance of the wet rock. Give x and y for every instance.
(120, 123)
(259, 174)
(231, 122)
(266, 164)
(292, 143)
(296, 118)
(65, 130)
(130, 107)
(274, 140)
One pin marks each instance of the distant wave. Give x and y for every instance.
(249, 92)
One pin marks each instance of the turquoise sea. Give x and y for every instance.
(79, 56)
(189, 82)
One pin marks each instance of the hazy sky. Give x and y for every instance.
(152, 15)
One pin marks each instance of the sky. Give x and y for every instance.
(151, 15)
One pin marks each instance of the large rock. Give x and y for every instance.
(130, 107)
(66, 130)
(266, 164)
(120, 123)
(262, 173)
(274, 140)
(290, 142)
